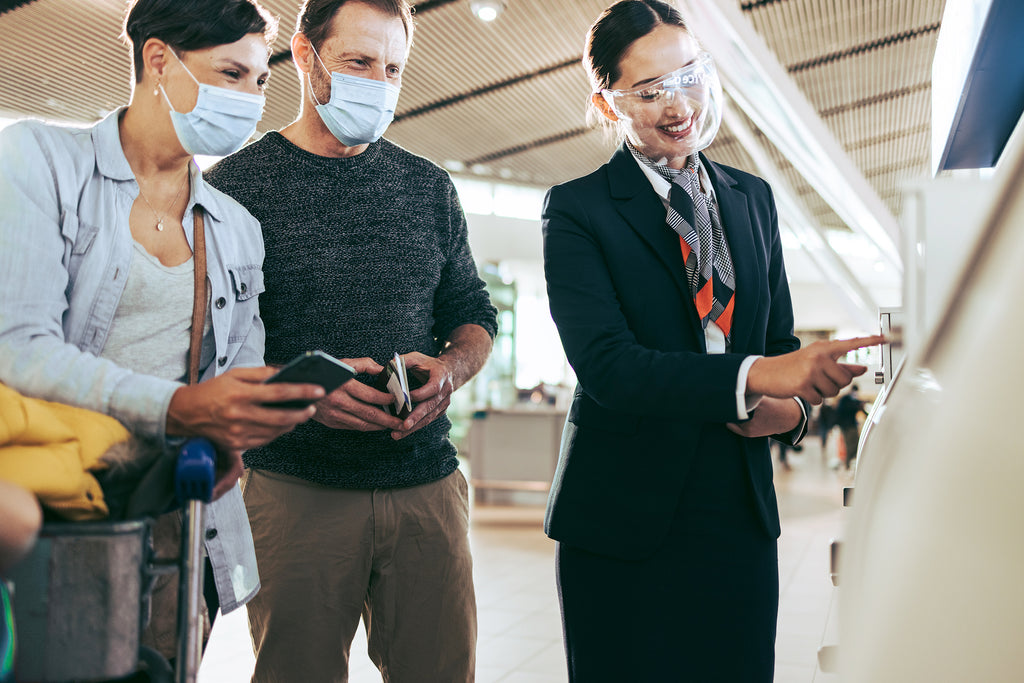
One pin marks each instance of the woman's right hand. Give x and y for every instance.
(813, 373)
(230, 409)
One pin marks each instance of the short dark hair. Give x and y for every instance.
(193, 24)
(616, 29)
(315, 17)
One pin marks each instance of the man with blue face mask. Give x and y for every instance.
(360, 513)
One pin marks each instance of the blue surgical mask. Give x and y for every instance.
(360, 109)
(221, 121)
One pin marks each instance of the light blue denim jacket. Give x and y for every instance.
(65, 250)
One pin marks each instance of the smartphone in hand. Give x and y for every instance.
(312, 367)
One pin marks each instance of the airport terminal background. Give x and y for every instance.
(872, 123)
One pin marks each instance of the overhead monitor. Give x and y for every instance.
(977, 82)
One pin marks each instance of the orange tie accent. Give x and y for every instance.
(686, 249)
(704, 299)
(725, 320)
(706, 260)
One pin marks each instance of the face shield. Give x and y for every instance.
(693, 92)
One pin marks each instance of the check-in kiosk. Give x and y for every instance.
(931, 584)
(930, 566)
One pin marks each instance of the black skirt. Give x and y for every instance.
(703, 607)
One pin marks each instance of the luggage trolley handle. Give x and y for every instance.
(193, 485)
(194, 474)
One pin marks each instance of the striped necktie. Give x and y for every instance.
(706, 256)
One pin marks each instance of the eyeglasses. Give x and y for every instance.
(694, 81)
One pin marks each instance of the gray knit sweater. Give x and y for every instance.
(366, 256)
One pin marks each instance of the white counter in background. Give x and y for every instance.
(513, 453)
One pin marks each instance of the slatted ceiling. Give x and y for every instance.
(890, 136)
(283, 96)
(864, 65)
(803, 30)
(285, 11)
(905, 168)
(911, 146)
(727, 149)
(534, 166)
(894, 196)
(46, 78)
(890, 183)
(471, 54)
(868, 75)
(500, 119)
(587, 152)
(863, 126)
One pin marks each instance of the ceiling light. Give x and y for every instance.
(487, 10)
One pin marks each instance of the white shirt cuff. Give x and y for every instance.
(801, 429)
(745, 402)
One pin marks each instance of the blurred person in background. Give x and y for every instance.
(849, 408)
(825, 422)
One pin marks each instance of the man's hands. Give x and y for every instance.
(229, 410)
(357, 406)
(812, 373)
(432, 398)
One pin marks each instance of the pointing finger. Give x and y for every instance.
(840, 347)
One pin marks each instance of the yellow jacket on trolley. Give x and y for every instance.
(53, 450)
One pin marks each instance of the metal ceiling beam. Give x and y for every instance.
(851, 292)
(768, 96)
(863, 48)
(477, 92)
(891, 136)
(754, 4)
(526, 146)
(873, 100)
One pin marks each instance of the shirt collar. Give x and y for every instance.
(112, 163)
(106, 140)
(660, 175)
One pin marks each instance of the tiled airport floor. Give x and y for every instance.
(520, 633)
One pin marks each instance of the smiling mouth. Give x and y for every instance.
(678, 129)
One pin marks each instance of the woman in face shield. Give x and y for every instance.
(667, 285)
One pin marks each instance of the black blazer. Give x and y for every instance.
(648, 391)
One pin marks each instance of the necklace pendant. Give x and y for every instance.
(160, 225)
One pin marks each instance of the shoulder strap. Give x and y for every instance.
(199, 296)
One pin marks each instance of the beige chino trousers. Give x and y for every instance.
(398, 558)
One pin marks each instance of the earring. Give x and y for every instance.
(156, 90)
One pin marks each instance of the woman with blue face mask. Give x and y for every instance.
(103, 236)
